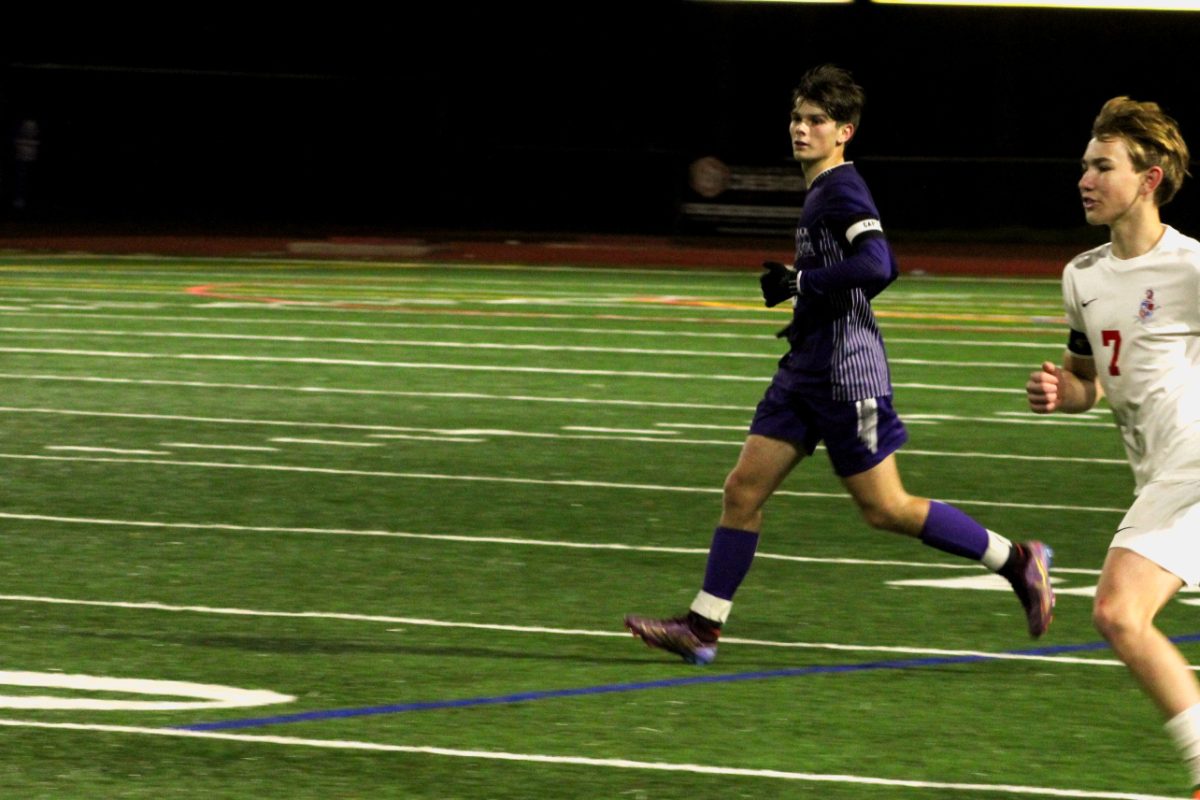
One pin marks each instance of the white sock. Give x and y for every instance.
(1185, 732)
(997, 552)
(712, 607)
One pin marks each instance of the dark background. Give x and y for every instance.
(566, 117)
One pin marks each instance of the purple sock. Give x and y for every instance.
(729, 558)
(952, 531)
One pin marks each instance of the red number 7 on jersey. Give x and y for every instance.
(1113, 338)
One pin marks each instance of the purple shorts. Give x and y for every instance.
(858, 434)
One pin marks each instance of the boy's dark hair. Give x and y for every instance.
(833, 89)
(1152, 138)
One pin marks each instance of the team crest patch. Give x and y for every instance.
(1147, 307)
(804, 243)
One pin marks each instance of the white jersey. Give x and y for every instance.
(1142, 319)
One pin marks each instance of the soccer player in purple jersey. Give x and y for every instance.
(834, 386)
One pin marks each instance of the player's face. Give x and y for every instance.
(815, 135)
(1110, 185)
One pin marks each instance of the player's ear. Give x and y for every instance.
(845, 132)
(1152, 178)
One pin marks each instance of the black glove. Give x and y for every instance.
(778, 283)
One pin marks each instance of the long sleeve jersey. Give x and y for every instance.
(836, 347)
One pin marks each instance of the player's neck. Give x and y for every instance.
(1136, 235)
(814, 168)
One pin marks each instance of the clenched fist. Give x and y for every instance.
(1043, 388)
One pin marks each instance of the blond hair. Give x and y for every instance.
(1152, 138)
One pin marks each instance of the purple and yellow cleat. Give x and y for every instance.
(686, 636)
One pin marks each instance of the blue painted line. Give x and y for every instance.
(616, 688)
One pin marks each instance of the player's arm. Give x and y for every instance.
(1072, 388)
(868, 262)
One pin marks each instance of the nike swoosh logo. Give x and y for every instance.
(1126, 528)
(1089, 302)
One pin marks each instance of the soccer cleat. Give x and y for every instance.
(1029, 573)
(686, 636)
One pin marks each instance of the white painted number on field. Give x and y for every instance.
(203, 695)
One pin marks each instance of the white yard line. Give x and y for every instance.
(292, 321)
(557, 330)
(114, 450)
(633, 431)
(408, 437)
(1017, 418)
(476, 346)
(579, 484)
(502, 540)
(195, 446)
(546, 631)
(372, 392)
(350, 362)
(409, 343)
(582, 761)
(490, 329)
(474, 434)
(328, 442)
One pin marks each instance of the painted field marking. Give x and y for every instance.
(958, 323)
(376, 392)
(557, 330)
(206, 695)
(474, 346)
(504, 540)
(450, 395)
(990, 582)
(353, 362)
(292, 320)
(408, 343)
(115, 450)
(1045, 655)
(635, 431)
(582, 761)
(409, 437)
(194, 446)
(327, 442)
(578, 484)
(1014, 418)
(349, 362)
(656, 437)
(936, 387)
(1121, 462)
(457, 434)
(637, 686)
(1040, 654)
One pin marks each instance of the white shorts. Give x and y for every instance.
(1163, 525)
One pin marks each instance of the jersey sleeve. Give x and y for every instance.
(868, 262)
(1077, 341)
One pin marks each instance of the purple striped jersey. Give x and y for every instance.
(844, 259)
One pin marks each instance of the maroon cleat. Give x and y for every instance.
(687, 636)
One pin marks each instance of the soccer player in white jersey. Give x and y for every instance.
(833, 386)
(1133, 306)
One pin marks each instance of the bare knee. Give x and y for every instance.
(1117, 622)
(898, 515)
(742, 501)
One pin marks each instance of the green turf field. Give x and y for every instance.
(384, 521)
